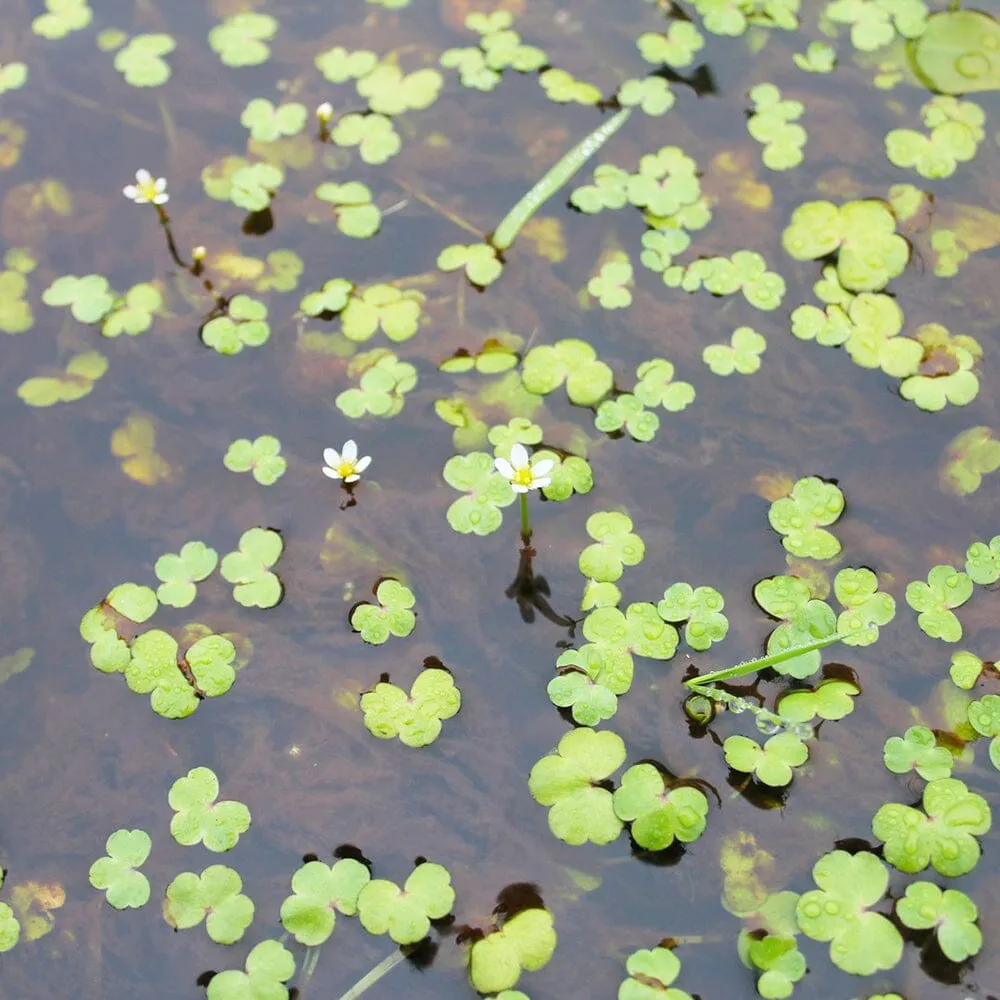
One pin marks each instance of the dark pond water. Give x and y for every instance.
(81, 756)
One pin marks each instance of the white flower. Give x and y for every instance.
(146, 190)
(522, 474)
(345, 464)
(325, 111)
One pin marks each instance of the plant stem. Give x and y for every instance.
(525, 520)
(752, 666)
(374, 975)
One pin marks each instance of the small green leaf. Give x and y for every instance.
(391, 616)
(405, 914)
(116, 875)
(199, 818)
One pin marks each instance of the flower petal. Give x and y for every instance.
(160, 185)
(518, 456)
(353, 478)
(331, 456)
(362, 463)
(504, 467)
(161, 199)
(539, 484)
(518, 488)
(130, 191)
(332, 473)
(350, 451)
(143, 176)
(542, 466)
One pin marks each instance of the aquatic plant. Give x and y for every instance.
(116, 872)
(415, 718)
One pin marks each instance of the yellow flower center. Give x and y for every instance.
(523, 476)
(347, 468)
(148, 190)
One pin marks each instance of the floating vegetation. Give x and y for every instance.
(574, 390)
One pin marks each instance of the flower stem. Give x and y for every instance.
(525, 520)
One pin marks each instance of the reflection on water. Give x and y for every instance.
(80, 755)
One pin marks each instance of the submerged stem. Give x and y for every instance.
(525, 519)
(374, 975)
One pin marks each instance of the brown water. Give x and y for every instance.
(81, 756)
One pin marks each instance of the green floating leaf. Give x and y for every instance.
(651, 971)
(982, 561)
(917, 750)
(382, 387)
(949, 912)
(804, 619)
(396, 311)
(782, 964)
(390, 91)
(866, 607)
(965, 669)
(839, 911)
(958, 52)
(569, 781)
(773, 124)
(406, 914)
(268, 967)
(771, 764)
(944, 837)
(338, 65)
(656, 386)
(563, 88)
(13, 76)
(832, 699)
(249, 568)
(180, 573)
(802, 516)
(319, 892)
(524, 943)
(870, 252)
(133, 314)
(63, 17)
(373, 134)
(116, 875)
(267, 123)
(946, 588)
(199, 818)
(615, 547)
(741, 354)
(89, 298)
(241, 39)
(133, 601)
(252, 186)
(676, 48)
(701, 608)
(589, 701)
(153, 669)
(10, 928)
(353, 209)
(574, 362)
(480, 261)
(626, 412)
(659, 815)
(391, 616)
(16, 315)
(415, 718)
(819, 57)
(141, 62)
(611, 286)
(262, 457)
(244, 325)
(486, 491)
(216, 897)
